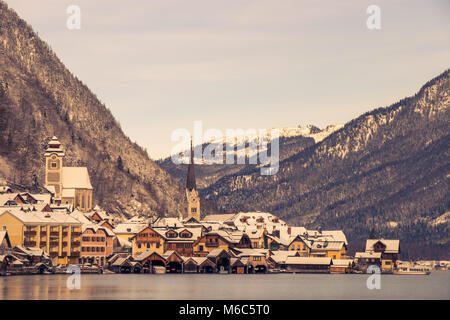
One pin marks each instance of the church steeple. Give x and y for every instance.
(193, 200)
(190, 181)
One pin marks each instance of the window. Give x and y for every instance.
(256, 258)
(157, 244)
(201, 248)
(148, 244)
(53, 164)
(193, 210)
(139, 245)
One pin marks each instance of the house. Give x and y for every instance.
(147, 239)
(254, 259)
(96, 244)
(330, 249)
(389, 250)
(58, 234)
(365, 259)
(300, 244)
(211, 241)
(180, 240)
(308, 264)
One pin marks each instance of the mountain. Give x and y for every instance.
(291, 141)
(388, 168)
(40, 98)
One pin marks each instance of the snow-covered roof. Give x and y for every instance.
(367, 255)
(392, 246)
(342, 262)
(38, 218)
(76, 177)
(168, 222)
(219, 217)
(129, 228)
(308, 260)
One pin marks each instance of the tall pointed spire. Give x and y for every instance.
(190, 182)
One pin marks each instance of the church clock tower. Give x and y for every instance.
(193, 207)
(53, 166)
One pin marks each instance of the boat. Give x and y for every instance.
(413, 270)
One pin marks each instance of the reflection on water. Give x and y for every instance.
(213, 286)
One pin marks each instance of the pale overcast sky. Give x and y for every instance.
(161, 64)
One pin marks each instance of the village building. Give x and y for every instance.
(174, 262)
(147, 239)
(342, 266)
(55, 233)
(180, 240)
(149, 260)
(365, 259)
(308, 264)
(96, 244)
(389, 250)
(70, 185)
(198, 265)
(126, 231)
(221, 259)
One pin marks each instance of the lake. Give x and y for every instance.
(227, 287)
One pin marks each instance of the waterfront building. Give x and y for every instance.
(365, 259)
(5, 243)
(126, 231)
(221, 259)
(180, 240)
(96, 244)
(308, 264)
(57, 234)
(389, 250)
(342, 266)
(174, 261)
(70, 185)
(147, 239)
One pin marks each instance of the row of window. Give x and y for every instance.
(93, 249)
(94, 239)
(148, 244)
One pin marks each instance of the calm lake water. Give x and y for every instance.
(228, 287)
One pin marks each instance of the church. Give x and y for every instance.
(69, 185)
(193, 200)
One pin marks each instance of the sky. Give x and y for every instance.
(160, 65)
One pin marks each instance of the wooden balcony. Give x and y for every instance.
(54, 233)
(75, 254)
(29, 233)
(64, 233)
(54, 243)
(53, 253)
(76, 233)
(43, 233)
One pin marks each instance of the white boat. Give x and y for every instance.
(413, 270)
